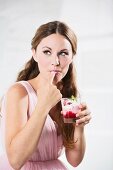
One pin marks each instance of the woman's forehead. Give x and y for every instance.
(55, 40)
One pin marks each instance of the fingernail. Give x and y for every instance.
(77, 115)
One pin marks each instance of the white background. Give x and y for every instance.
(92, 21)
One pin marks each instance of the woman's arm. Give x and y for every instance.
(22, 135)
(75, 155)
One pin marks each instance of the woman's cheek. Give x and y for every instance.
(65, 67)
(66, 62)
(42, 62)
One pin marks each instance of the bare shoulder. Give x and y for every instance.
(16, 104)
(17, 90)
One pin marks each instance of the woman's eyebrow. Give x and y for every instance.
(47, 47)
(64, 49)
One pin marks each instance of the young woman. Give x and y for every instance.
(33, 127)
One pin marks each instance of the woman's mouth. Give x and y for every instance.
(55, 71)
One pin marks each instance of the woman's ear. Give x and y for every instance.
(34, 54)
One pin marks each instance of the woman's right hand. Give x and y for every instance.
(48, 94)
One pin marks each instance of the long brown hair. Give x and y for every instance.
(68, 83)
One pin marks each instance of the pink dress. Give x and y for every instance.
(49, 147)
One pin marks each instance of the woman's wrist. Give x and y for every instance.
(42, 109)
(78, 133)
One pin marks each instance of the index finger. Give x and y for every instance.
(51, 77)
(83, 106)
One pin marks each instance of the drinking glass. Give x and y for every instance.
(69, 109)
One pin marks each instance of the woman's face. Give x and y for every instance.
(53, 54)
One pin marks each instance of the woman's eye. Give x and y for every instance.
(47, 52)
(63, 53)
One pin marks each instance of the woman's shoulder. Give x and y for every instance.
(17, 90)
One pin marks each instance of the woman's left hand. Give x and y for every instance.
(84, 115)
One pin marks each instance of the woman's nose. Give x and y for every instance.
(55, 61)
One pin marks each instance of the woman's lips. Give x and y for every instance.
(55, 71)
